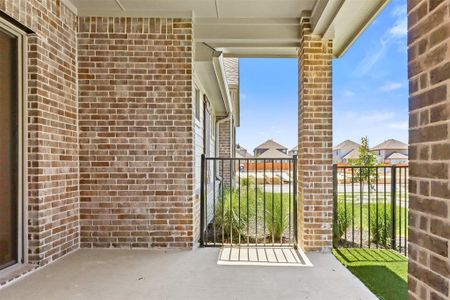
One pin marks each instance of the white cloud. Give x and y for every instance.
(391, 86)
(399, 10)
(400, 28)
(348, 93)
(391, 36)
(399, 125)
(372, 57)
(376, 117)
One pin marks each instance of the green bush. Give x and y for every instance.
(249, 181)
(383, 235)
(277, 216)
(231, 218)
(342, 222)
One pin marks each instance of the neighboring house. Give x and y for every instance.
(352, 155)
(397, 159)
(344, 149)
(241, 152)
(273, 153)
(391, 151)
(269, 144)
(293, 151)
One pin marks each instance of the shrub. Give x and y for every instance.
(232, 218)
(247, 181)
(342, 222)
(383, 235)
(277, 217)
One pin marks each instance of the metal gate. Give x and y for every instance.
(248, 201)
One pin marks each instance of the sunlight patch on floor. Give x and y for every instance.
(263, 256)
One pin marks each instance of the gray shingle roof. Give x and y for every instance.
(273, 153)
(347, 144)
(391, 144)
(354, 154)
(397, 155)
(231, 66)
(270, 144)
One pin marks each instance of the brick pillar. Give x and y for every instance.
(315, 177)
(225, 150)
(429, 149)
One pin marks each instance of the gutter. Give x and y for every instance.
(219, 69)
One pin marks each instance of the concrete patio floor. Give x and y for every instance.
(176, 274)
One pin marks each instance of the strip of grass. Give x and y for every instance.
(384, 272)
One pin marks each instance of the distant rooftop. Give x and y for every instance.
(271, 144)
(391, 144)
(273, 153)
(354, 154)
(397, 155)
(347, 144)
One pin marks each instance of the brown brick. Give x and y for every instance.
(435, 281)
(440, 228)
(315, 141)
(440, 73)
(433, 96)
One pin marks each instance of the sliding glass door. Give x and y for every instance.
(9, 147)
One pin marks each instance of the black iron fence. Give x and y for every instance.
(248, 201)
(371, 207)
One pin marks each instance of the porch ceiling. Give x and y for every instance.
(251, 28)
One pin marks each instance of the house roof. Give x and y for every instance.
(391, 144)
(397, 155)
(347, 144)
(270, 144)
(273, 153)
(231, 65)
(294, 149)
(354, 154)
(241, 152)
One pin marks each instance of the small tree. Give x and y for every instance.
(366, 160)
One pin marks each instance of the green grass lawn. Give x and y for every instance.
(384, 272)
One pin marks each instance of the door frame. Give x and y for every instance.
(22, 193)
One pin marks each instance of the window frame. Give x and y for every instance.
(22, 186)
(197, 101)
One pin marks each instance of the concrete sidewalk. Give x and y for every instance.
(157, 274)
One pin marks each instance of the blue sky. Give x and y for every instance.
(370, 89)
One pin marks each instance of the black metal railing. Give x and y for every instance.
(248, 201)
(371, 207)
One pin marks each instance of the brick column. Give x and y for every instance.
(315, 176)
(429, 150)
(225, 149)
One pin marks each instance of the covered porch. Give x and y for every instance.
(182, 274)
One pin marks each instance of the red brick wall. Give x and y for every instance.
(136, 132)
(429, 153)
(53, 196)
(315, 136)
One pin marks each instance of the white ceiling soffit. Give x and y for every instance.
(251, 28)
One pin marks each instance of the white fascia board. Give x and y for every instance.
(222, 81)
